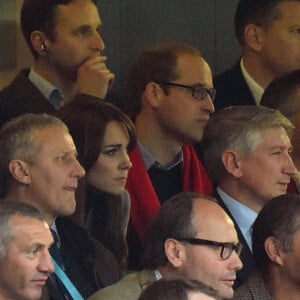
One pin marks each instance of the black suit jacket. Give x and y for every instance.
(20, 97)
(246, 255)
(88, 264)
(232, 89)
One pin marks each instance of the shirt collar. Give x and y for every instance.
(42, 84)
(256, 90)
(150, 160)
(243, 215)
(158, 275)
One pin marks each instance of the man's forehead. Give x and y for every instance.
(86, 11)
(193, 69)
(209, 216)
(54, 137)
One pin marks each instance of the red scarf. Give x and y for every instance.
(144, 200)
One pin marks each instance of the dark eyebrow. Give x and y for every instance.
(78, 29)
(112, 145)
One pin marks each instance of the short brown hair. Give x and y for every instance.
(158, 63)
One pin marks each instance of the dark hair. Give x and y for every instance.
(158, 63)
(87, 120)
(40, 15)
(282, 94)
(176, 289)
(259, 12)
(173, 220)
(279, 218)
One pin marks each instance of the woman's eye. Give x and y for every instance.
(111, 152)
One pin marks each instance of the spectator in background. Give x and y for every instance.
(65, 41)
(246, 150)
(103, 136)
(190, 237)
(276, 249)
(170, 97)
(268, 32)
(25, 262)
(179, 289)
(283, 94)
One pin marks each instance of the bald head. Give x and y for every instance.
(209, 218)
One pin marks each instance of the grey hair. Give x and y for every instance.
(8, 209)
(17, 141)
(237, 128)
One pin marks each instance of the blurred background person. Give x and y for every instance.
(179, 289)
(268, 33)
(67, 47)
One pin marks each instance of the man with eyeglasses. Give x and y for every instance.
(246, 150)
(191, 237)
(171, 99)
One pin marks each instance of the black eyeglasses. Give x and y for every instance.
(226, 248)
(199, 91)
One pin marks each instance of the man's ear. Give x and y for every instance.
(20, 171)
(39, 42)
(152, 93)
(175, 252)
(273, 250)
(253, 36)
(231, 162)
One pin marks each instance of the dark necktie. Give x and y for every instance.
(55, 250)
(56, 99)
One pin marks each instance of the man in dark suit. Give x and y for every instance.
(65, 42)
(246, 150)
(268, 32)
(276, 252)
(38, 166)
(25, 262)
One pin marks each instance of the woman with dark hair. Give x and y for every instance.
(103, 136)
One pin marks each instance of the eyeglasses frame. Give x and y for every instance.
(209, 91)
(196, 241)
